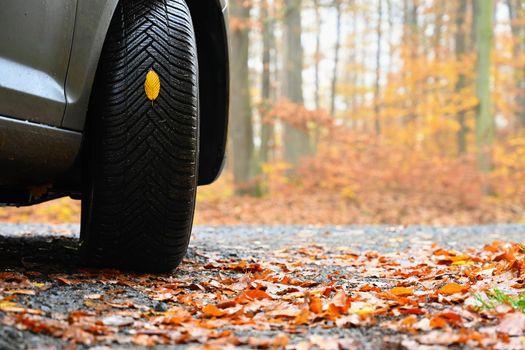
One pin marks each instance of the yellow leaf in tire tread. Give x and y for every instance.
(152, 85)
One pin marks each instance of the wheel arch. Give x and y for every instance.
(212, 45)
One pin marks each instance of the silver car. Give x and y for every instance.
(122, 104)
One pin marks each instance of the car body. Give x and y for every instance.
(49, 54)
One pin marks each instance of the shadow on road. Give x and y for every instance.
(37, 252)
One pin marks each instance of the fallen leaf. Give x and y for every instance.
(303, 316)
(512, 324)
(316, 305)
(143, 340)
(211, 310)
(257, 294)
(20, 291)
(452, 288)
(117, 321)
(402, 291)
(438, 322)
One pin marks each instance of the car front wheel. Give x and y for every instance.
(142, 137)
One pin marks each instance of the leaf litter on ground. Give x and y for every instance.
(428, 297)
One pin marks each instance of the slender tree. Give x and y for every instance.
(333, 94)
(483, 10)
(296, 142)
(268, 44)
(460, 50)
(377, 85)
(516, 13)
(241, 110)
(318, 25)
(411, 42)
(353, 59)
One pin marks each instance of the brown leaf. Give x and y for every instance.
(143, 340)
(78, 335)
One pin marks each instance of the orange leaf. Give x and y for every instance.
(316, 305)
(508, 256)
(241, 265)
(369, 288)
(438, 322)
(143, 340)
(333, 311)
(302, 317)
(402, 291)
(341, 301)
(409, 321)
(451, 317)
(212, 311)
(257, 294)
(452, 288)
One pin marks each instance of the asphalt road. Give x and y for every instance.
(51, 250)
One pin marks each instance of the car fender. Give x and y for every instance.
(91, 26)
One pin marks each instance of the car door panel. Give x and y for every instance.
(35, 44)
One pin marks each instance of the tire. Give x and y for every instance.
(141, 156)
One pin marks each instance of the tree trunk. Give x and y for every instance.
(268, 42)
(517, 13)
(318, 23)
(354, 79)
(296, 143)
(333, 95)
(317, 84)
(411, 40)
(377, 86)
(460, 51)
(241, 112)
(484, 119)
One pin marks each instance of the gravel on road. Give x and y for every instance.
(48, 254)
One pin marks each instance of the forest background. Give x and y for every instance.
(367, 111)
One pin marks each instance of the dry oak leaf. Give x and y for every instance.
(211, 310)
(316, 305)
(339, 302)
(451, 317)
(257, 294)
(143, 340)
(452, 288)
(303, 316)
(78, 335)
(402, 291)
(278, 342)
(438, 322)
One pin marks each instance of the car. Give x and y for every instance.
(122, 104)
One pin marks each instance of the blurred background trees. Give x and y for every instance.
(374, 111)
(382, 98)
